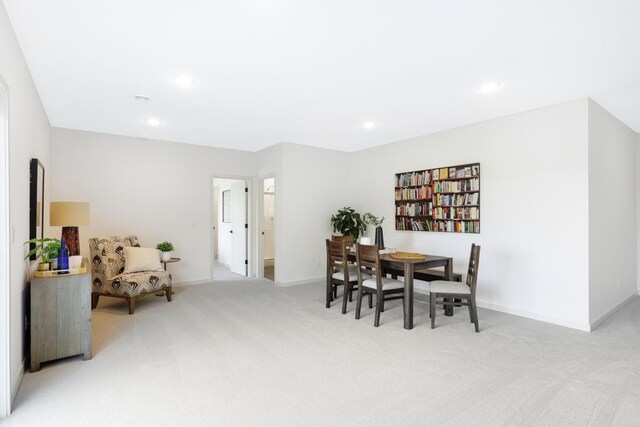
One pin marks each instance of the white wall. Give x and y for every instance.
(534, 197)
(157, 190)
(28, 137)
(612, 212)
(313, 187)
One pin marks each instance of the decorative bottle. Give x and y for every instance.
(63, 256)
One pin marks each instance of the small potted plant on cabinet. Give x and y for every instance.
(46, 249)
(166, 248)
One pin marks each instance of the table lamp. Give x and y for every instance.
(69, 215)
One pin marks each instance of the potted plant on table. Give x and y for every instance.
(348, 222)
(371, 219)
(46, 249)
(166, 248)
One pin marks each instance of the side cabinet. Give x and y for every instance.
(60, 318)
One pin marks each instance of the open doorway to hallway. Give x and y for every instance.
(268, 227)
(230, 229)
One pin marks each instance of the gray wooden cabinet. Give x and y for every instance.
(60, 318)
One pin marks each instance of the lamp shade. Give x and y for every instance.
(63, 214)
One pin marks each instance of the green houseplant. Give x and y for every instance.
(348, 222)
(166, 248)
(46, 249)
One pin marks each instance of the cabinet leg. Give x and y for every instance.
(94, 300)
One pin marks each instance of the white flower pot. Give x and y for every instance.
(165, 256)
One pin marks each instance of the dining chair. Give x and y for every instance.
(349, 241)
(453, 292)
(338, 275)
(384, 288)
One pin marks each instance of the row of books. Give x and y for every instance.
(457, 226)
(425, 177)
(411, 224)
(472, 184)
(456, 199)
(413, 178)
(420, 193)
(456, 213)
(413, 209)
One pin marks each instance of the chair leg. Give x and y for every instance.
(470, 310)
(475, 313)
(432, 308)
(345, 293)
(335, 292)
(328, 293)
(169, 294)
(382, 304)
(350, 293)
(94, 300)
(359, 301)
(379, 300)
(132, 304)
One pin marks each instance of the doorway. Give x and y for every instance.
(230, 230)
(5, 240)
(268, 227)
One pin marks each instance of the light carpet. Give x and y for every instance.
(250, 353)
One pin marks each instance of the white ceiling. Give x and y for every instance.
(312, 72)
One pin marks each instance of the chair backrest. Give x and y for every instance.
(472, 272)
(347, 239)
(107, 255)
(336, 258)
(368, 261)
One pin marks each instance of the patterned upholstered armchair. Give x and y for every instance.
(108, 277)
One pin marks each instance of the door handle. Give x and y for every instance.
(231, 231)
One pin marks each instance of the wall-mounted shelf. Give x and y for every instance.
(440, 199)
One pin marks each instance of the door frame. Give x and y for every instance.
(260, 225)
(5, 263)
(250, 209)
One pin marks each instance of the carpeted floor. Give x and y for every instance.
(250, 353)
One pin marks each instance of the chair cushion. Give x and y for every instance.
(446, 287)
(387, 283)
(136, 283)
(353, 275)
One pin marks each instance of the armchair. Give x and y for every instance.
(108, 277)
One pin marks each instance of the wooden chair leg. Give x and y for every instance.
(470, 310)
(94, 300)
(328, 293)
(359, 301)
(370, 300)
(335, 292)
(379, 301)
(345, 293)
(475, 314)
(382, 304)
(350, 293)
(169, 294)
(132, 304)
(432, 308)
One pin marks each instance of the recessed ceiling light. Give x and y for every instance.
(488, 88)
(368, 125)
(141, 97)
(184, 81)
(153, 122)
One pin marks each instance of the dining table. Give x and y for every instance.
(408, 266)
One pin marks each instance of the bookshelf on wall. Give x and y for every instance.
(441, 200)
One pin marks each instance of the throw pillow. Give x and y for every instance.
(141, 259)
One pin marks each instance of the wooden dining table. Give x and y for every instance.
(409, 266)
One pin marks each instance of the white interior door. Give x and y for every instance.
(239, 228)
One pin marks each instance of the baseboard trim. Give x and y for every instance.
(16, 386)
(300, 282)
(599, 321)
(193, 282)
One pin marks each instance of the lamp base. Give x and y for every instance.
(70, 235)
